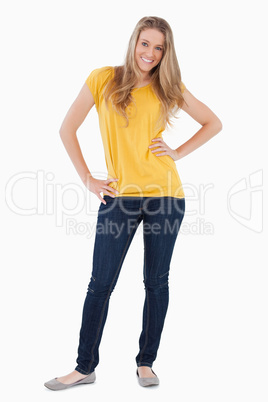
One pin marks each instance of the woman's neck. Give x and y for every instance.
(143, 82)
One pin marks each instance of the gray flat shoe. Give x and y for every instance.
(55, 385)
(148, 381)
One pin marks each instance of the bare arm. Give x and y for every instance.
(68, 133)
(68, 130)
(211, 125)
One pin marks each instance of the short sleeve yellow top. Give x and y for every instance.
(140, 172)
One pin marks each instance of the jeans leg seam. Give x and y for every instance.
(148, 305)
(107, 298)
(147, 326)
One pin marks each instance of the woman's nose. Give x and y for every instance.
(150, 53)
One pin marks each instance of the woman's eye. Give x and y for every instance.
(144, 44)
(159, 48)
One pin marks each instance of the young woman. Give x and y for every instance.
(135, 103)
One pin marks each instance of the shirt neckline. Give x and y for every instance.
(145, 86)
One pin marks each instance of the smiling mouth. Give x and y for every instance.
(146, 60)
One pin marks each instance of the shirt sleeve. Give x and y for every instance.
(92, 83)
(96, 82)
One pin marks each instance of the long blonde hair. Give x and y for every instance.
(165, 77)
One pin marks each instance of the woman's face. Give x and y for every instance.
(149, 49)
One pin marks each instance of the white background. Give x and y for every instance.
(214, 345)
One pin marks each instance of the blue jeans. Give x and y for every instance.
(117, 223)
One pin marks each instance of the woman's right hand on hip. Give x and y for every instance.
(97, 186)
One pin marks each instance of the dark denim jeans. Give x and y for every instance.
(117, 223)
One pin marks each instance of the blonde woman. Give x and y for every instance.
(135, 103)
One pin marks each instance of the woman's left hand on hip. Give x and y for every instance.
(163, 148)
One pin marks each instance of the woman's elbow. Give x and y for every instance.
(220, 126)
(67, 130)
(217, 124)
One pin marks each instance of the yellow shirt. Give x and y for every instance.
(140, 172)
